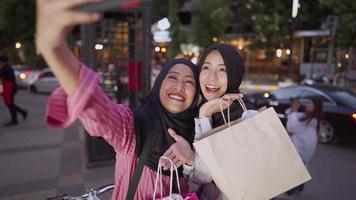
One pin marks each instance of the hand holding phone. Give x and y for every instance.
(107, 5)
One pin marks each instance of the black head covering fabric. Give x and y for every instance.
(234, 70)
(153, 120)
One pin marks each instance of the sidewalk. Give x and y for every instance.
(38, 162)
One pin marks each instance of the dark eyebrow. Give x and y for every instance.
(177, 73)
(210, 64)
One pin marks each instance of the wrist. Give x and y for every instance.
(204, 112)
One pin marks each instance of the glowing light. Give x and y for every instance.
(240, 47)
(194, 60)
(288, 51)
(18, 45)
(215, 39)
(157, 49)
(339, 65)
(295, 8)
(163, 49)
(266, 95)
(347, 56)
(279, 53)
(163, 24)
(22, 76)
(99, 47)
(354, 116)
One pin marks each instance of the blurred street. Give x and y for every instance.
(39, 162)
(286, 54)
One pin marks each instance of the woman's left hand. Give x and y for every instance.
(179, 152)
(215, 105)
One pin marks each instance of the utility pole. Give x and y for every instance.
(147, 47)
(295, 8)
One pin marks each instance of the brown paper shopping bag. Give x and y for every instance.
(253, 159)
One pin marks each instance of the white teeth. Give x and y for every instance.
(212, 87)
(173, 96)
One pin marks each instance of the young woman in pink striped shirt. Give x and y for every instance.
(171, 103)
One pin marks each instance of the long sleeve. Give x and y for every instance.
(198, 173)
(99, 115)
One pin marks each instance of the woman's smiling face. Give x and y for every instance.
(213, 77)
(178, 89)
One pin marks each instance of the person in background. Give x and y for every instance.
(303, 128)
(7, 76)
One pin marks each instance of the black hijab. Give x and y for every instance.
(234, 70)
(152, 120)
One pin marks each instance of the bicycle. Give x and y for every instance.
(91, 194)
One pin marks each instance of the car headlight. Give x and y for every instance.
(354, 116)
(266, 95)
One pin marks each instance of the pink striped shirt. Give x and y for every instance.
(114, 122)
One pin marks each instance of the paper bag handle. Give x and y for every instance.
(159, 177)
(242, 104)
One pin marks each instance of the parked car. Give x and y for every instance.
(339, 107)
(25, 75)
(46, 82)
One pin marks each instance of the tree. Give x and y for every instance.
(159, 10)
(175, 34)
(346, 29)
(17, 24)
(210, 19)
(269, 21)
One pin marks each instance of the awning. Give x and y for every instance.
(311, 33)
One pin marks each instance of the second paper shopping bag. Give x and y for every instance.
(253, 159)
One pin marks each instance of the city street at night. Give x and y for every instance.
(243, 99)
(38, 162)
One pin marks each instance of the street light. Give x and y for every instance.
(18, 45)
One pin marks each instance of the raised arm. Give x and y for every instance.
(55, 18)
(80, 96)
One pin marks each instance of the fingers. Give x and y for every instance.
(68, 4)
(60, 11)
(233, 97)
(169, 153)
(166, 165)
(80, 18)
(174, 135)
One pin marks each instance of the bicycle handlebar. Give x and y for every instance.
(90, 193)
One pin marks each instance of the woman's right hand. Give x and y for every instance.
(214, 106)
(295, 105)
(55, 18)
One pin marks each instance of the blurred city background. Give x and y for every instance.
(290, 48)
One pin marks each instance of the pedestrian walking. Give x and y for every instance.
(7, 76)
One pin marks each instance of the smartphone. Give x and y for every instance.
(104, 5)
